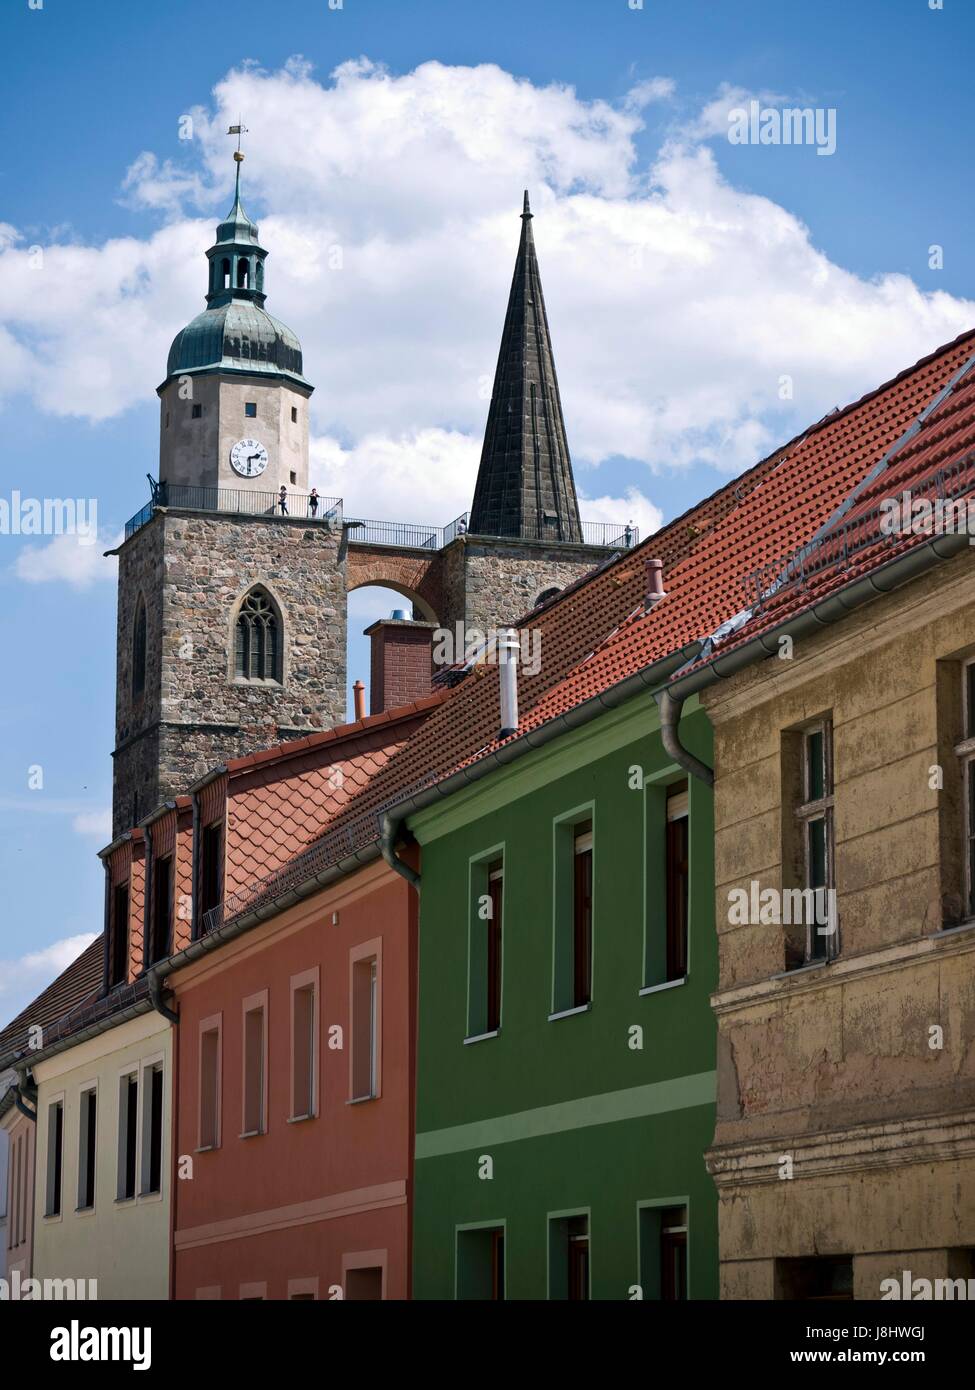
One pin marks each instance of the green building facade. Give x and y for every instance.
(565, 1099)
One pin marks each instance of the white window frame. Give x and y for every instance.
(53, 1101)
(122, 1132)
(807, 812)
(87, 1088)
(965, 752)
(148, 1065)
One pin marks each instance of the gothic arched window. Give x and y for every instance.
(139, 648)
(258, 639)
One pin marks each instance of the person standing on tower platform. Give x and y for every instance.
(283, 500)
(313, 502)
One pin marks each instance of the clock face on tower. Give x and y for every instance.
(249, 458)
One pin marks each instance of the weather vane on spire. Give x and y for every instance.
(239, 130)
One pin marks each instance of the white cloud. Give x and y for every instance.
(650, 90)
(66, 559)
(428, 477)
(24, 978)
(425, 476)
(677, 301)
(632, 507)
(97, 823)
(713, 118)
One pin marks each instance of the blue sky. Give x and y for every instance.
(813, 267)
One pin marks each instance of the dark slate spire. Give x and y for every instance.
(524, 482)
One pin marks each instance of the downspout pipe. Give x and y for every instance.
(155, 994)
(27, 1113)
(670, 712)
(25, 1091)
(387, 843)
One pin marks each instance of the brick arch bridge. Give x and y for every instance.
(415, 574)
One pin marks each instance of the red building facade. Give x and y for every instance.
(295, 1101)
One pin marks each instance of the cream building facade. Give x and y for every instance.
(104, 1160)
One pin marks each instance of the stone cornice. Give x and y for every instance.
(859, 1148)
(954, 941)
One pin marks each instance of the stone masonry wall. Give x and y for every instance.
(501, 579)
(195, 569)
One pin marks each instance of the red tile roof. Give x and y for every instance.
(75, 987)
(597, 634)
(936, 460)
(280, 801)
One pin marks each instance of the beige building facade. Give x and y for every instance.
(104, 1161)
(844, 1150)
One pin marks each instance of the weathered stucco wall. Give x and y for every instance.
(833, 1066)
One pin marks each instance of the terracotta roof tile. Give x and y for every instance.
(77, 985)
(596, 633)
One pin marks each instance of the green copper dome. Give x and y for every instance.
(235, 333)
(238, 336)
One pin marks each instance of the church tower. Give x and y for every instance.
(233, 407)
(232, 606)
(231, 610)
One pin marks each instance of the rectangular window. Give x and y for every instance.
(152, 1126)
(673, 1254)
(495, 893)
(294, 414)
(817, 1279)
(209, 1127)
(293, 476)
(250, 410)
(304, 1045)
(128, 1134)
(211, 868)
(13, 1202)
(960, 903)
(255, 1065)
(12, 1211)
(809, 915)
(364, 1284)
(197, 412)
(480, 1263)
(568, 1258)
(365, 1027)
(484, 946)
(87, 1127)
(162, 908)
(120, 934)
(678, 879)
(582, 915)
(573, 913)
(55, 1157)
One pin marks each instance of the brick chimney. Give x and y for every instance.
(402, 661)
